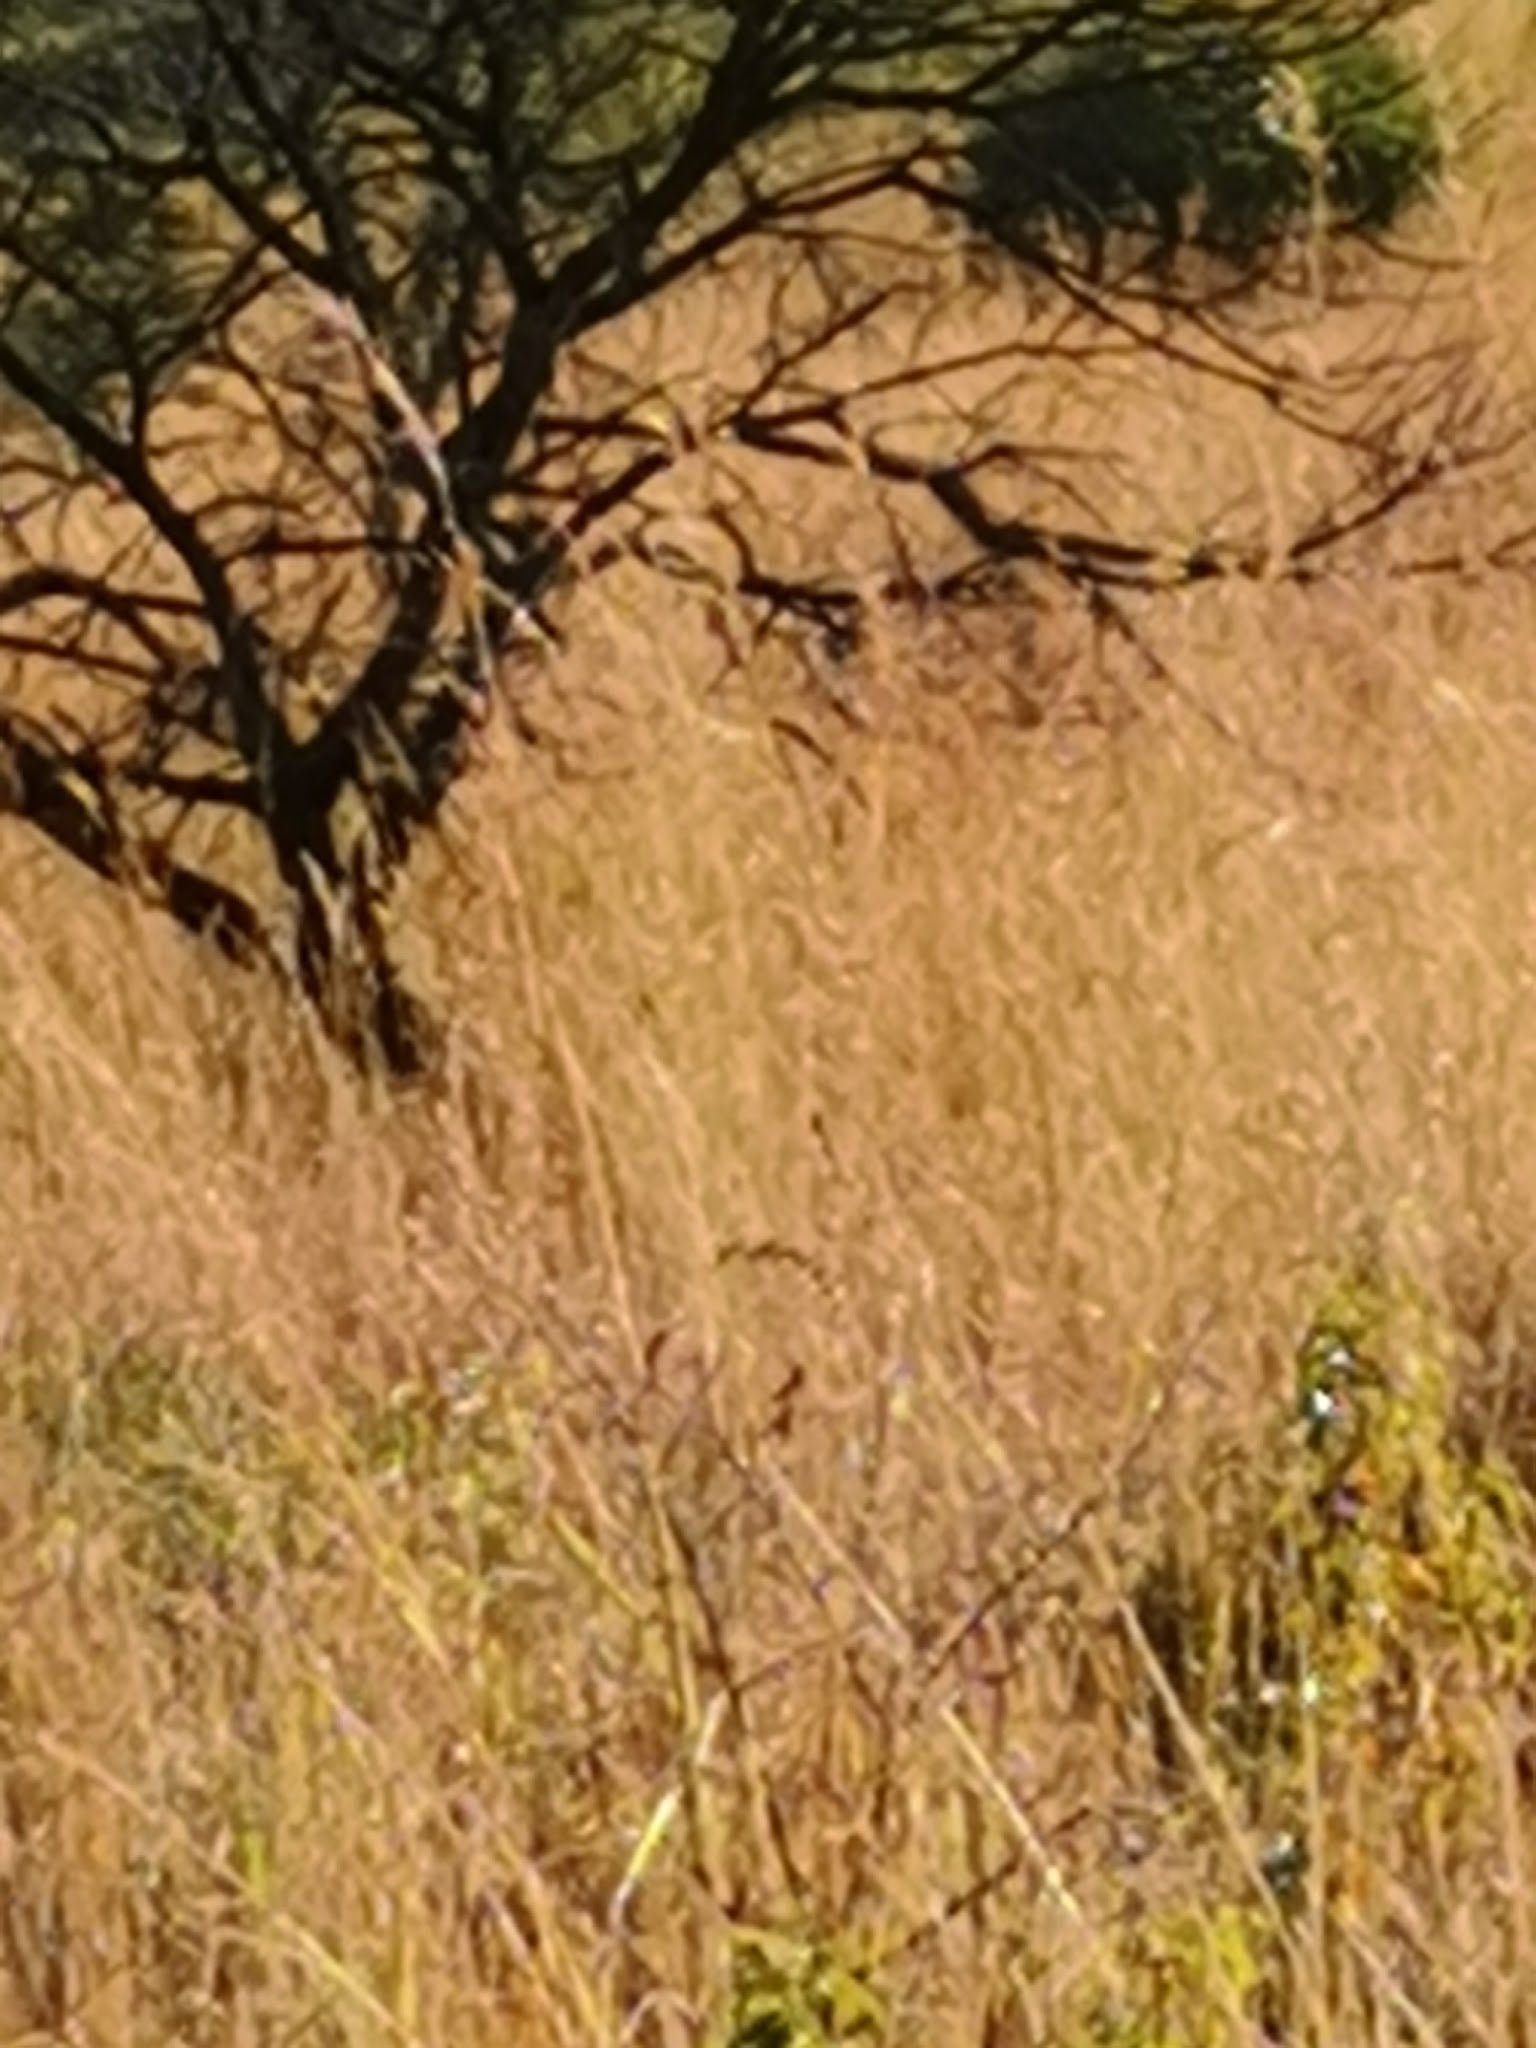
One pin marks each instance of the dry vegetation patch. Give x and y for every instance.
(927, 1438)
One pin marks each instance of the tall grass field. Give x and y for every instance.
(930, 1438)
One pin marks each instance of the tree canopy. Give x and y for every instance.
(378, 231)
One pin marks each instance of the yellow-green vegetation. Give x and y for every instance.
(1337, 1646)
(790, 1991)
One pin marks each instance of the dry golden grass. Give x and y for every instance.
(461, 1557)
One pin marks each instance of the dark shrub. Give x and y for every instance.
(1192, 139)
(1379, 129)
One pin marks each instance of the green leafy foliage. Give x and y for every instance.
(105, 254)
(1191, 1977)
(141, 147)
(1370, 1576)
(1380, 134)
(1194, 135)
(790, 1991)
(1331, 1631)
